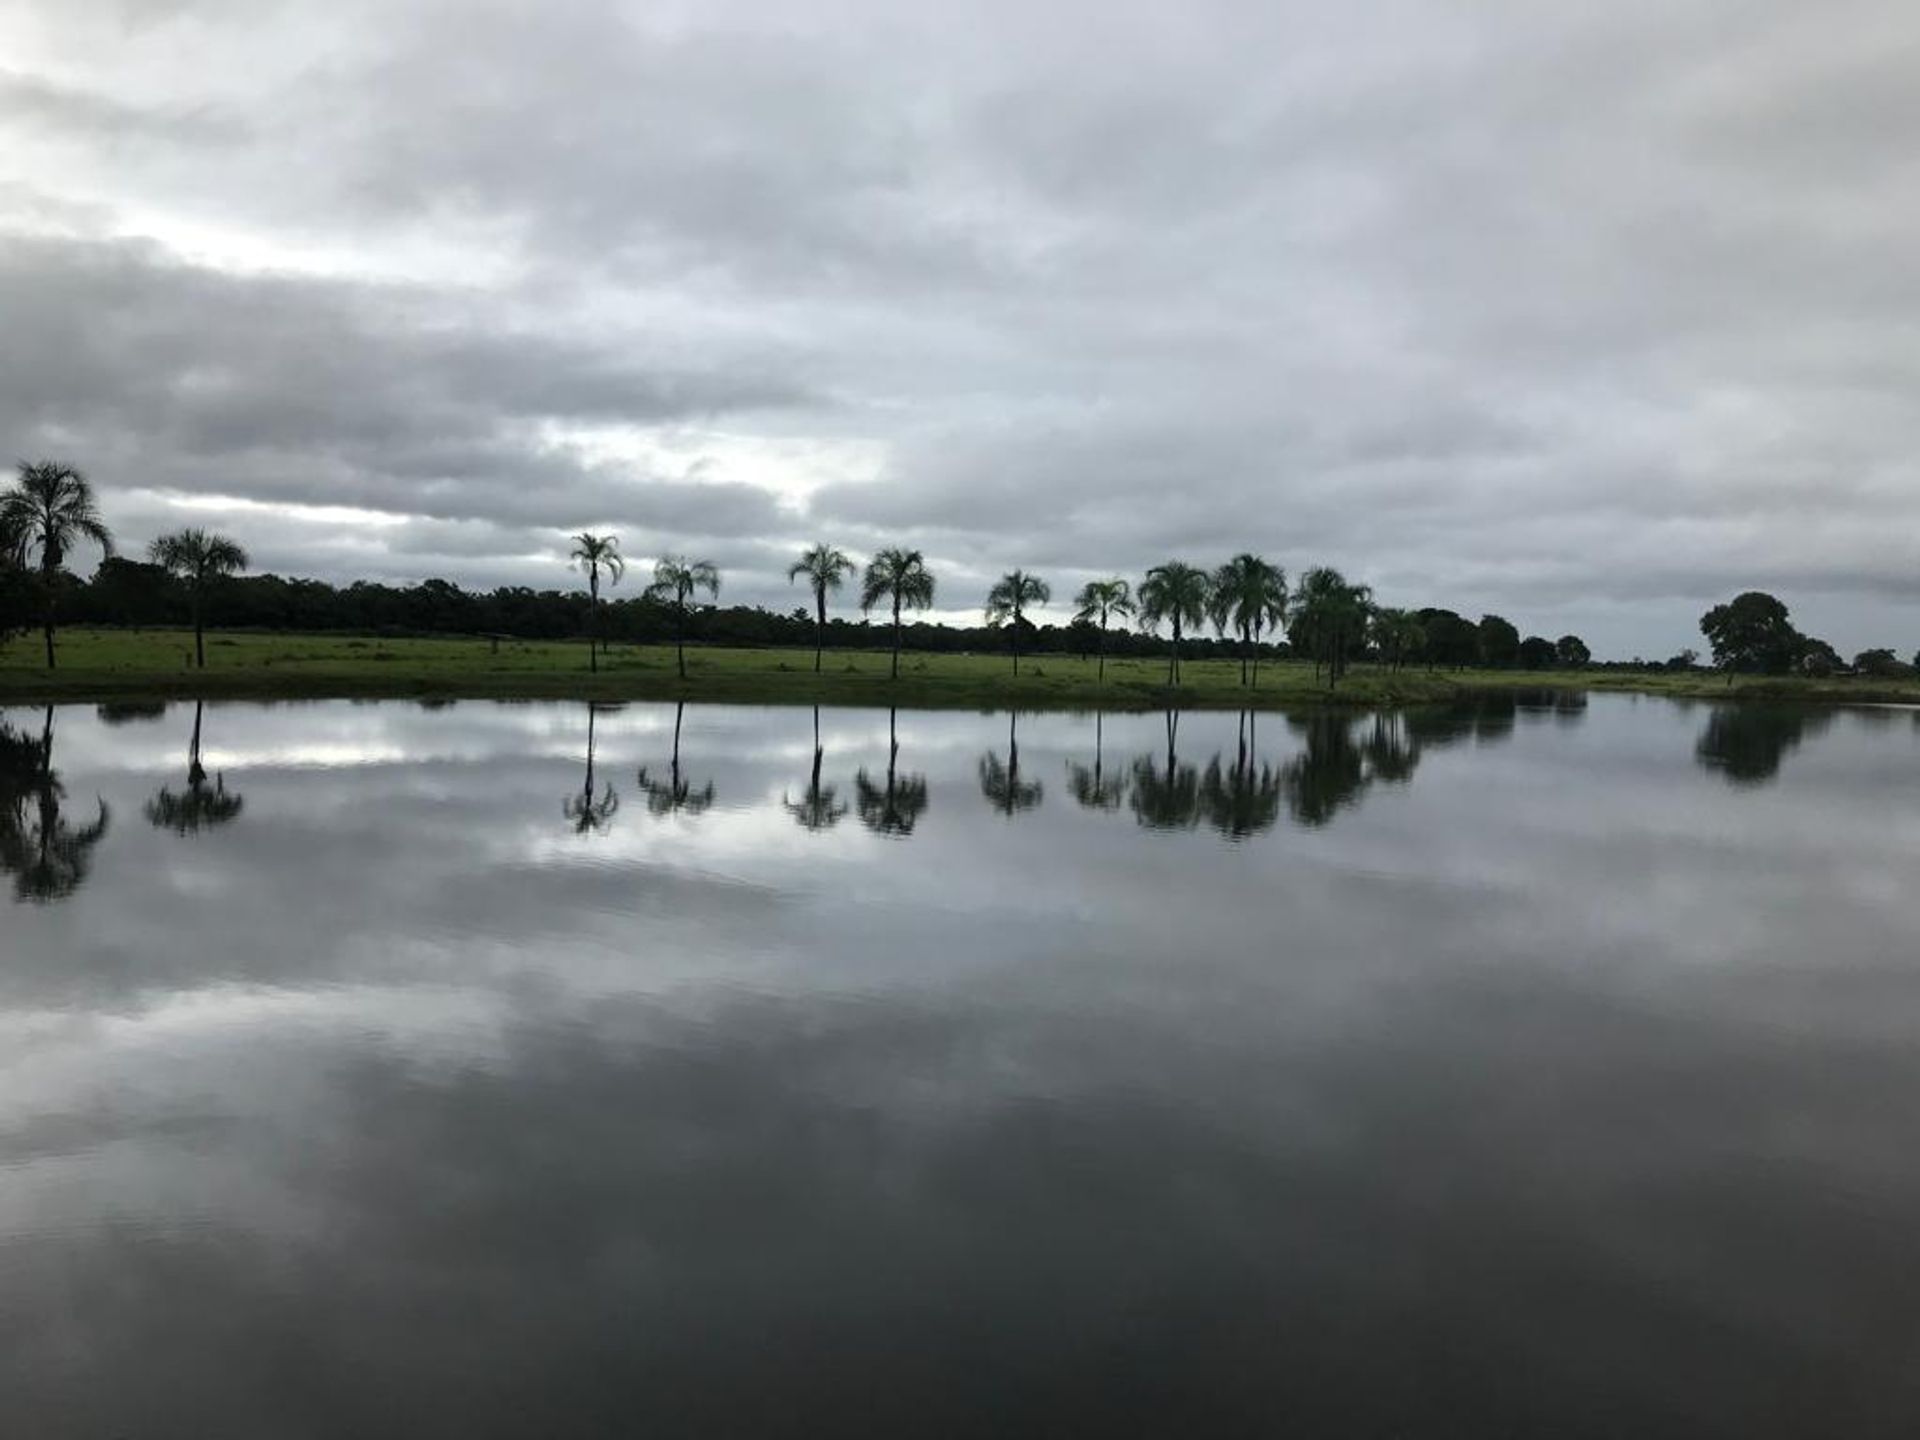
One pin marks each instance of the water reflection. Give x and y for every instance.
(675, 792)
(47, 855)
(1747, 742)
(200, 806)
(820, 807)
(1089, 784)
(590, 814)
(1242, 799)
(1001, 782)
(1167, 798)
(895, 807)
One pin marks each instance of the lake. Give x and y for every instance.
(1529, 1066)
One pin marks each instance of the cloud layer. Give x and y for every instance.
(1589, 317)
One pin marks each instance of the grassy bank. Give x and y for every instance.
(114, 664)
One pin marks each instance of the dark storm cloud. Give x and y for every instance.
(1584, 313)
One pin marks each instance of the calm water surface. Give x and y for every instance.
(1518, 1069)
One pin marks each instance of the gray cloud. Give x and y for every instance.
(1587, 316)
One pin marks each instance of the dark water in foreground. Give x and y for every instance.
(1547, 1069)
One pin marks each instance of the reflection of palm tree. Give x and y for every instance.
(1089, 786)
(1169, 801)
(1244, 800)
(1391, 751)
(1746, 743)
(1329, 772)
(675, 792)
(587, 813)
(1001, 784)
(47, 857)
(895, 808)
(819, 808)
(200, 806)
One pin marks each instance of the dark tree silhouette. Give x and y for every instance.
(1327, 620)
(1245, 799)
(1098, 602)
(1169, 799)
(675, 792)
(594, 553)
(902, 577)
(819, 808)
(1001, 783)
(1746, 743)
(675, 580)
(895, 807)
(49, 511)
(1249, 596)
(1008, 602)
(200, 806)
(825, 569)
(590, 814)
(1179, 594)
(197, 558)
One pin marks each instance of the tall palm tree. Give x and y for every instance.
(594, 553)
(198, 807)
(199, 558)
(1088, 783)
(591, 814)
(1001, 784)
(895, 808)
(675, 579)
(48, 512)
(1328, 619)
(1099, 601)
(825, 568)
(1009, 600)
(820, 808)
(1249, 596)
(1178, 593)
(902, 577)
(675, 792)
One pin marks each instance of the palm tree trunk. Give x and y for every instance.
(593, 620)
(896, 636)
(1015, 638)
(1244, 642)
(47, 579)
(680, 652)
(199, 634)
(820, 630)
(1102, 652)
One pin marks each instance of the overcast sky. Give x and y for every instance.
(1587, 313)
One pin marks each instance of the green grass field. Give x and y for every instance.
(109, 664)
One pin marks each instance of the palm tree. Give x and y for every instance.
(49, 511)
(1178, 593)
(824, 567)
(47, 857)
(594, 553)
(675, 792)
(1398, 634)
(892, 809)
(820, 808)
(198, 807)
(1008, 601)
(1328, 619)
(1001, 784)
(1099, 601)
(1249, 596)
(901, 576)
(675, 578)
(199, 558)
(1088, 783)
(588, 813)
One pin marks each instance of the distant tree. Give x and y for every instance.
(1179, 594)
(1249, 597)
(1752, 633)
(1817, 658)
(1536, 653)
(1328, 620)
(198, 559)
(1571, 652)
(1008, 602)
(594, 553)
(675, 579)
(900, 576)
(825, 568)
(1099, 601)
(1449, 639)
(1499, 642)
(16, 598)
(48, 512)
(1399, 635)
(1881, 665)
